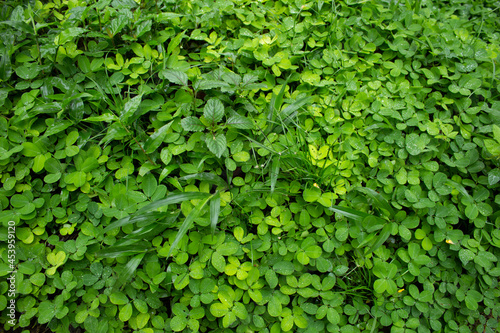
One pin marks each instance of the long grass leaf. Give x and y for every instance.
(123, 250)
(151, 230)
(172, 199)
(297, 104)
(378, 199)
(207, 177)
(349, 212)
(214, 211)
(188, 222)
(459, 188)
(149, 216)
(381, 238)
(274, 172)
(127, 271)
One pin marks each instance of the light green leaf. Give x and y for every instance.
(219, 309)
(312, 194)
(125, 312)
(118, 298)
(178, 323)
(240, 310)
(218, 262)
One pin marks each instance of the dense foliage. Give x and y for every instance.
(251, 166)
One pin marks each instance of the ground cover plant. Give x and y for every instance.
(250, 166)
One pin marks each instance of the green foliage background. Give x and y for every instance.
(241, 166)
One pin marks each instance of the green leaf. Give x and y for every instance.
(493, 176)
(216, 143)
(274, 307)
(380, 285)
(178, 323)
(312, 194)
(271, 278)
(31, 149)
(284, 268)
(465, 256)
(219, 309)
(58, 126)
(149, 184)
(192, 124)
(118, 298)
(125, 312)
(287, 323)
(240, 311)
(415, 144)
(46, 311)
(38, 279)
(218, 262)
(130, 107)
(186, 225)
(213, 111)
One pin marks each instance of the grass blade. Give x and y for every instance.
(274, 172)
(353, 214)
(286, 114)
(460, 189)
(150, 230)
(377, 198)
(382, 237)
(127, 271)
(149, 216)
(214, 211)
(172, 199)
(186, 225)
(208, 177)
(147, 212)
(123, 250)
